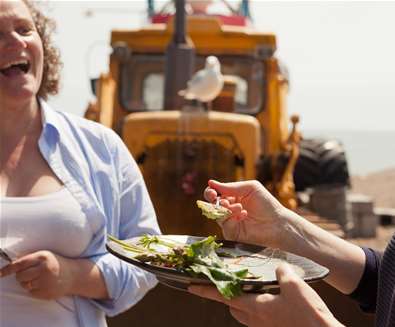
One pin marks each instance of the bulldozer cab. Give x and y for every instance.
(142, 83)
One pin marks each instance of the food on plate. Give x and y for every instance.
(197, 258)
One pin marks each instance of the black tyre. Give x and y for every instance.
(321, 162)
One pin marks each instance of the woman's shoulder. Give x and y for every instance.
(77, 131)
(86, 127)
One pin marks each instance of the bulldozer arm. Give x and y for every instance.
(101, 110)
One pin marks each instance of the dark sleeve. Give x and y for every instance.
(366, 291)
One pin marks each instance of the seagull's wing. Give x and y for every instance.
(197, 79)
(193, 85)
(204, 85)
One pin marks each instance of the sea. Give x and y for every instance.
(366, 151)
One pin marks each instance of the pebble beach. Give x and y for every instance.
(380, 186)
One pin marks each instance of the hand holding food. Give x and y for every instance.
(257, 217)
(213, 211)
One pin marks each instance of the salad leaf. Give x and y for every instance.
(204, 252)
(227, 282)
(212, 211)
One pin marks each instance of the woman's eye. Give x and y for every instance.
(24, 30)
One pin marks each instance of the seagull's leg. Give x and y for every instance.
(201, 105)
(207, 106)
(195, 103)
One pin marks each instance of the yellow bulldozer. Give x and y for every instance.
(179, 144)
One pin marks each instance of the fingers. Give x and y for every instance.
(28, 275)
(236, 208)
(246, 302)
(249, 309)
(229, 202)
(236, 189)
(288, 280)
(19, 265)
(210, 194)
(285, 274)
(207, 292)
(211, 293)
(240, 316)
(30, 285)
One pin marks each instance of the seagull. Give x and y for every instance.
(205, 84)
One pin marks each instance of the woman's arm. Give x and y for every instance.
(87, 280)
(257, 217)
(345, 260)
(132, 215)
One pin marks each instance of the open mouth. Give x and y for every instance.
(15, 68)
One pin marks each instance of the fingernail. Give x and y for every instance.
(285, 267)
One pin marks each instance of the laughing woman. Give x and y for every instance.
(65, 184)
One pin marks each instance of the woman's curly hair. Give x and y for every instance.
(52, 63)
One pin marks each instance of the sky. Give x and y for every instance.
(341, 56)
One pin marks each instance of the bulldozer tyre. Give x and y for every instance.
(321, 162)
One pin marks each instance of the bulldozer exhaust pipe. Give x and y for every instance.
(180, 60)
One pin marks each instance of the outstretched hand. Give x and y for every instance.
(257, 217)
(296, 305)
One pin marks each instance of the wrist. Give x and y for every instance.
(323, 317)
(73, 277)
(87, 280)
(287, 229)
(328, 320)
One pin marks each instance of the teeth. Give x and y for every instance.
(16, 62)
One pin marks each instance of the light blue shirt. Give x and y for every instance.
(97, 168)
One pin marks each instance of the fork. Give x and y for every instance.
(217, 202)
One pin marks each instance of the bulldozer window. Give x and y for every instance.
(153, 100)
(142, 82)
(140, 74)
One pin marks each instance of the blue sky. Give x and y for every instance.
(341, 56)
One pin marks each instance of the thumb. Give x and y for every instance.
(287, 278)
(236, 189)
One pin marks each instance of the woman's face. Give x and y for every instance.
(21, 54)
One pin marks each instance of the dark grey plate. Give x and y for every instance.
(259, 260)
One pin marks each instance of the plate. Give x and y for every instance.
(260, 261)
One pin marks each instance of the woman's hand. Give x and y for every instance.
(296, 305)
(257, 216)
(44, 274)
(49, 276)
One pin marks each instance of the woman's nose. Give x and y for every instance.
(15, 41)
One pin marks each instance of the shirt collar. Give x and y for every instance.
(49, 117)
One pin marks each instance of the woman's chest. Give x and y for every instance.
(53, 222)
(24, 172)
